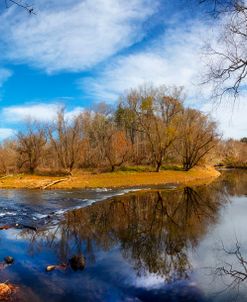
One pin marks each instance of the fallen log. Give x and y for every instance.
(54, 182)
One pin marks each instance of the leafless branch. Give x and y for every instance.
(29, 8)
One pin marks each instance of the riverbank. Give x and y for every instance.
(83, 180)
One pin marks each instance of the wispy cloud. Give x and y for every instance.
(5, 74)
(40, 112)
(6, 133)
(74, 35)
(231, 117)
(173, 59)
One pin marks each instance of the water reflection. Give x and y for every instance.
(154, 230)
(235, 182)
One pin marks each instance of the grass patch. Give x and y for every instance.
(136, 169)
(172, 167)
(129, 178)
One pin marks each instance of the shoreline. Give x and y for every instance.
(86, 180)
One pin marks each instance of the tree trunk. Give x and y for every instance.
(158, 166)
(186, 166)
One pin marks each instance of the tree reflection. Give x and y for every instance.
(154, 229)
(231, 271)
(235, 182)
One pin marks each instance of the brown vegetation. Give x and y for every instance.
(109, 180)
(233, 153)
(150, 127)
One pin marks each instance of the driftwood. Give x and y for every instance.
(54, 182)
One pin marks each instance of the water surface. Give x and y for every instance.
(184, 244)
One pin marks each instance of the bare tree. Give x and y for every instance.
(227, 57)
(233, 153)
(217, 7)
(30, 146)
(198, 137)
(108, 144)
(8, 157)
(157, 111)
(29, 8)
(117, 148)
(65, 137)
(232, 269)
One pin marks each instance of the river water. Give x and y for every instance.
(158, 244)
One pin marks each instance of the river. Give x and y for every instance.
(153, 244)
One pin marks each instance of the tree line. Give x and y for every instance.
(232, 153)
(150, 126)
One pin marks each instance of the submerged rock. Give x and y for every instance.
(8, 259)
(77, 262)
(50, 268)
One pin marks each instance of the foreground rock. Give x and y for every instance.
(6, 291)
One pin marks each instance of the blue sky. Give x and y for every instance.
(77, 53)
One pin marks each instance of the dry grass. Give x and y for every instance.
(108, 180)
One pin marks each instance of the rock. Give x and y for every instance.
(50, 268)
(6, 290)
(77, 262)
(9, 259)
(62, 266)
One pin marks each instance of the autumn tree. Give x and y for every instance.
(198, 136)
(156, 111)
(8, 157)
(243, 140)
(233, 153)
(30, 145)
(107, 142)
(94, 129)
(117, 149)
(126, 120)
(65, 137)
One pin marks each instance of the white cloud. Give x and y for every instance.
(174, 59)
(69, 115)
(6, 133)
(231, 118)
(4, 75)
(40, 112)
(74, 35)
